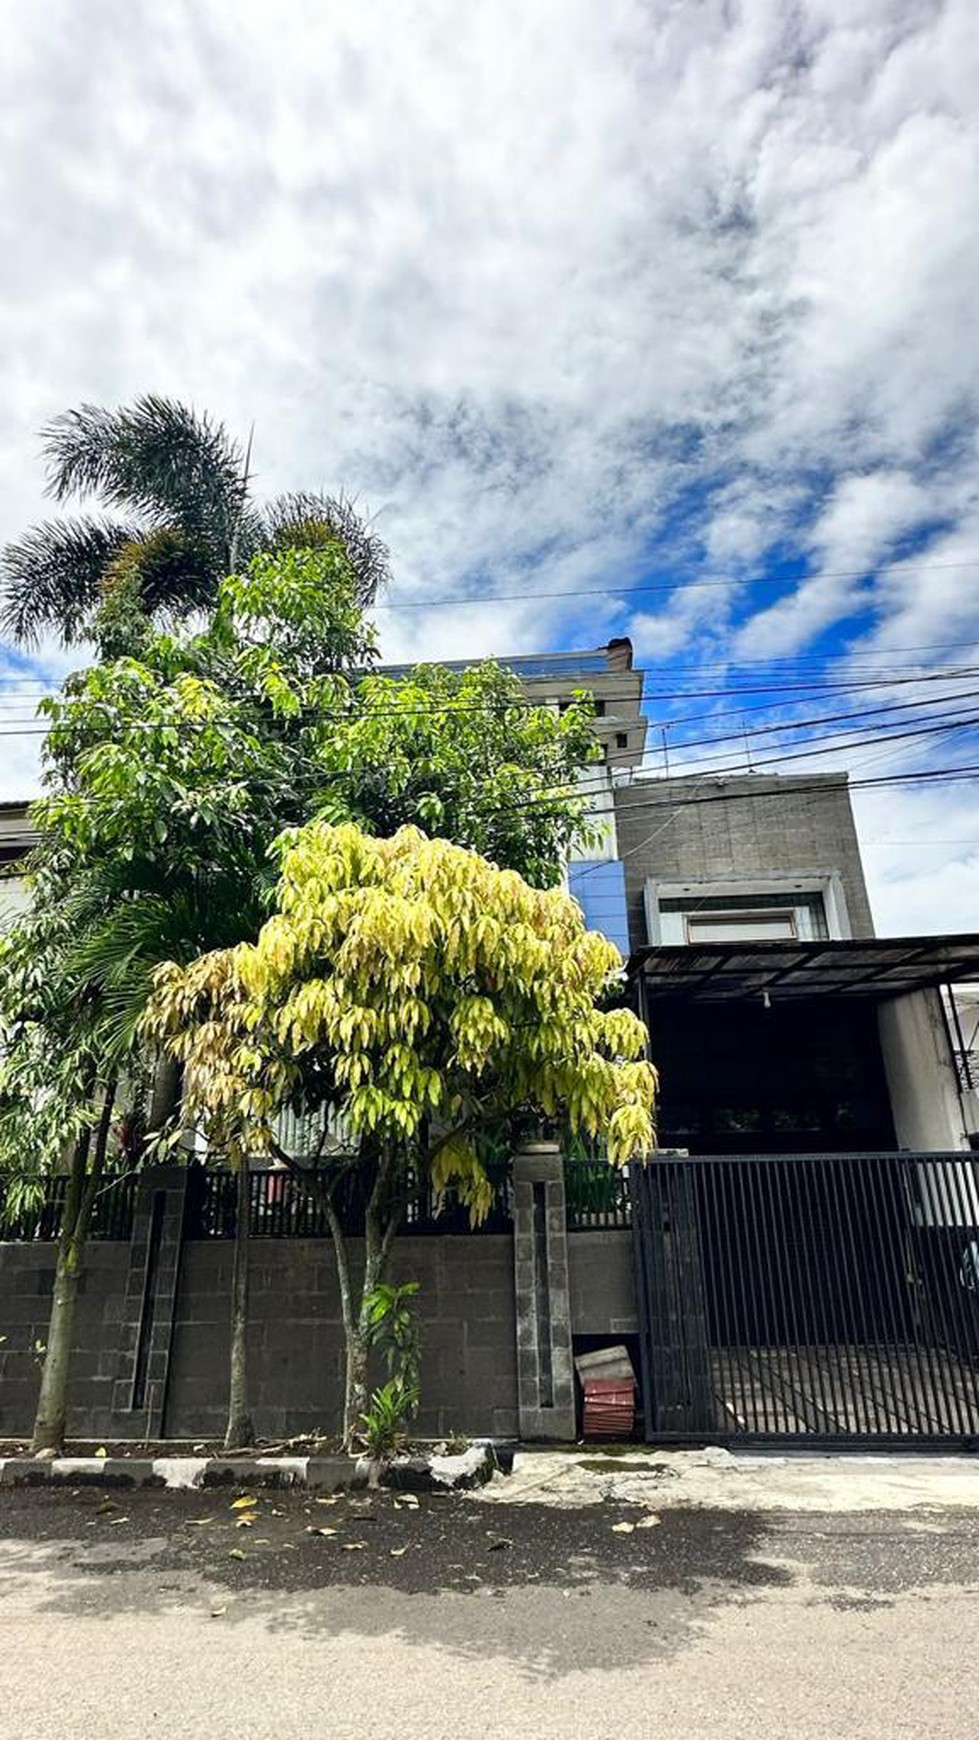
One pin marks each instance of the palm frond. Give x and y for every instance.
(312, 520)
(165, 459)
(115, 958)
(52, 576)
(170, 574)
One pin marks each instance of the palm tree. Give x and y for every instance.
(180, 487)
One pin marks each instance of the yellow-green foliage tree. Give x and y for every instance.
(427, 996)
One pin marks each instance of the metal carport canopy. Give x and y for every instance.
(874, 967)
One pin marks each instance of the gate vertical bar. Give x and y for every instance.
(876, 1180)
(924, 1324)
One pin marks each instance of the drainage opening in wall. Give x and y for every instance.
(612, 1407)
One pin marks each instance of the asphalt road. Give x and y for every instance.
(157, 1614)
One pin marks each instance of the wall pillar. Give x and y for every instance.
(921, 1074)
(545, 1371)
(146, 1330)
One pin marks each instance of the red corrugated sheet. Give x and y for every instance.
(610, 1408)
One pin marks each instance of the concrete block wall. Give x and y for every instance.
(761, 825)
(466, 1324)
(467, 1316)
(26, 1282)
(603, 1288)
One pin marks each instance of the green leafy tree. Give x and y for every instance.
(60, 1070)
(463, 755)
(172, 768)
(170, 775)
(426, 996)
(180, 517)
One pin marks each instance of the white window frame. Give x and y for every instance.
(828, 884)
(742, 919)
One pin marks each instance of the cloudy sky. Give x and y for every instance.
(668, 310)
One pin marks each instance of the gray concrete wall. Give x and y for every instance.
(26, 1281)
(466, 1322)
(603, 1288)
(761, 825)
(466, 1311)
(921, 1074)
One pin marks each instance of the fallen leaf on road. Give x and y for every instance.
(244, 1503)
(407, 1501)
(354, 1546)
(311, 1531)
(649, 1522)
(101, 1452)
(216, 1612)
(499, 1544)
(623, 1528)
(333, 1500)
(236, 1553)
(199, 1522)
(398, 1552)
(245, 1522)
(106, 1505)
(114, 1524)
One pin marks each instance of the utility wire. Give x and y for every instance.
(671, 587)
(527, 703)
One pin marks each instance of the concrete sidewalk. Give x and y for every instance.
(715, 1479)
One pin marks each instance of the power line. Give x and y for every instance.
(671, 587)
(939, 775)
(675, 805)
(526, 703)
(828, 748)
(820, 719)
(951, 775)
(596, 786)
(26, 687)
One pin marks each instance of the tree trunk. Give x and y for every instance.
(378, 1237)
(240, 1430)
(52, 1403)
(357, 1353)
(166, 1093)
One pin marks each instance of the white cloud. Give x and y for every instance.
(921, 857)
(860, 526)
(569, 294)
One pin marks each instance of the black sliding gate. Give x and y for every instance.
(830, 1298)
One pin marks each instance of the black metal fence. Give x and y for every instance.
(824, 1297)
(285, 1204)
(112, 1215)
(597, 1196)
(288, 1205)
